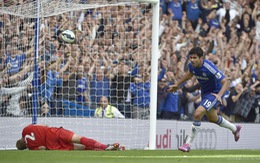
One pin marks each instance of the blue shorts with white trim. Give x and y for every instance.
(209, 101)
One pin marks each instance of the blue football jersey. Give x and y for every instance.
(209, 77)
(16, 63)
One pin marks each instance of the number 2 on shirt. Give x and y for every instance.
(31, 137)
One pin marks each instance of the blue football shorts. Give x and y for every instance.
(209, 101)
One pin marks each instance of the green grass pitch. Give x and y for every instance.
(131, 156)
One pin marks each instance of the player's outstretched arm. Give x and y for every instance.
(175, 87)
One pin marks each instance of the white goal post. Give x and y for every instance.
(30, 46)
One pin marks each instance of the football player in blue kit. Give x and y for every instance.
(213, 86)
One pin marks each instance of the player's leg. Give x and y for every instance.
(207, 103)
(198, 114)
(90, 144)
(68, 140)
(222, 122)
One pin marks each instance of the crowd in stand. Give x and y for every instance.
(111, 57)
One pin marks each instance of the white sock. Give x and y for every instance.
(224, 123)
(194, 130)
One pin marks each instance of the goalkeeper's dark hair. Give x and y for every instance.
(196, 50)
(20, 145)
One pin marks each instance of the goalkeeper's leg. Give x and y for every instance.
(90, 144)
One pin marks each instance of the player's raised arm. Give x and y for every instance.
(175, 87)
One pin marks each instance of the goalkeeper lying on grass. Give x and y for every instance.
(40, 137)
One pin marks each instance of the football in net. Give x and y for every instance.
(68, 36)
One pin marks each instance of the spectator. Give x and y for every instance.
(175, 10)
(163, 6)
(48, 80)
(16, 92)
(82, 87)
(227, 13)
(120, 83)
(74, 91)
(162, 87)
(172, 106)
(246, 23)
(213, 21)
(254, 112)
(228, 110)
(16, 60)
(206, 8)
(256, 19)
(193, 12)
(161, 95)
(60, 68)
(247, 103)
(68, 91)
(107, 111)
(10, 96)
(140, 91)
(99, 86)
(190, 98)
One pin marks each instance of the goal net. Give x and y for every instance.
(44, 80)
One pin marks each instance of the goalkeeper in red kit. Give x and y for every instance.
(40, 137)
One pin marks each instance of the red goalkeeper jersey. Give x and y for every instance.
(50, 137)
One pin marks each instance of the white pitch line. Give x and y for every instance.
(186, 156)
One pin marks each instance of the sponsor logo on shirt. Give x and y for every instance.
(202, 78)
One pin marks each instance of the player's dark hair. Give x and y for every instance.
(196, 50)
(20, 145)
